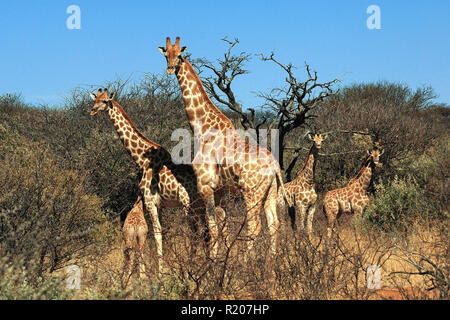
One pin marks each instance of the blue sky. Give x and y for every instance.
(43, 60)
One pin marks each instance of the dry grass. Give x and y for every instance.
(302, 269)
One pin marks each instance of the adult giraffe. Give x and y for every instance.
(163, 183)
(224, 159)
(352, 198)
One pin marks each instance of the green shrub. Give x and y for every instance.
(396, 204)
(15, 284)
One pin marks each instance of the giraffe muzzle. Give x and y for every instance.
(171, 69)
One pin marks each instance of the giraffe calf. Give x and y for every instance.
(134, 231)
(301, 190)
(352, 198)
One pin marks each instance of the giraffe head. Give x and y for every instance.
(102, 101)
(375, 156)
(317, 138)
(173, 54)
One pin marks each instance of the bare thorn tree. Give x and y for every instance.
(218, 85)
(284, 108)
(294, 105)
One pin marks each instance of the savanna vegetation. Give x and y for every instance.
(67, 184)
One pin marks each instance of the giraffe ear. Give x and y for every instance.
(162, 50)
(112, 94)
(183, 50)
(93, 96)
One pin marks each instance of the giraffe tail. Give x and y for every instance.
(283, 190)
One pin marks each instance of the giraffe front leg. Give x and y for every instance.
(300, 210)
(253, 207)
(222, 224)
(129, 238)
(208, 198)
(331, 212)
(291, 214)
(357, 212)
(273, 223)
(358, 209)
(157, 231)
(310, 218)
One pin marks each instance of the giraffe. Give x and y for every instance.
(134, 232)
(163, 184)
(224, 159)
(352, 198)
(301, 191)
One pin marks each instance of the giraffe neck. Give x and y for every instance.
(365, 174)
(199, 108)
(132, 139)
(306, 174)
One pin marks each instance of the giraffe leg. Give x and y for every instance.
(309, 219)
(331, 211)
(192, 220)
(253, 218)
(199, 230)
(157, 231)
(222, 224)
(359, 209)
(135, 261)
(127, 262)
(300, 210)
(291, 213)
(330, 228)
(142, 237)
(208, 198)
(128, 234)
(273, 223)
(194, 226)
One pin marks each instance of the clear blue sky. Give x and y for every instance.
(44, 60)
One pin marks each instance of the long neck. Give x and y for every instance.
(364, 175)
(306, 174)
(199, 107)
(132, 139)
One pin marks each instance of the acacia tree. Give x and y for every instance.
(285, 108)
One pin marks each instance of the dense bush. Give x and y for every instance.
(391, 114)
(15, 284)
(396, 205)
(47, 217)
